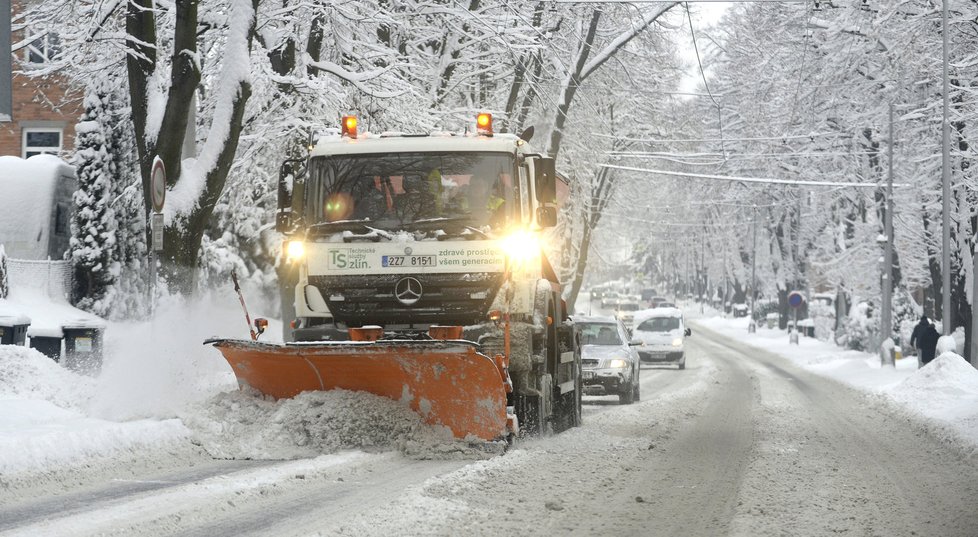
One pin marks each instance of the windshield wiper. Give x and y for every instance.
(343, 225)
(459, 223)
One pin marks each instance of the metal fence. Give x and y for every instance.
(51, 277)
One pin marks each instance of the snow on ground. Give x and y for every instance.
(943, 393)
(160, 390)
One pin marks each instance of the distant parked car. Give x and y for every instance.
(740, 310)
(662, 333)
(609, 364)
(665, 305)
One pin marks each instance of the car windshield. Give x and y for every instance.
(659, 324)
(390, 190)
(599, 334)
(628, 306)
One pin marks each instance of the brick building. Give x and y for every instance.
(44, 109)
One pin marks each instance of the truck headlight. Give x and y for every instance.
(521, 246)
(617, 363)
(678, 342)
(295, 251)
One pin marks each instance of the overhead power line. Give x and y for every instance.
(750, 179)
(724, 140)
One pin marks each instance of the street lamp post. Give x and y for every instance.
(886, 316)
(945, 186)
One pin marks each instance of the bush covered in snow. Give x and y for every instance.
(861, 328)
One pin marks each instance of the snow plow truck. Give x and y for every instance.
(413, 268)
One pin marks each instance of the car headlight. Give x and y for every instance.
(295, 250)
(617, 363)
(678, 342)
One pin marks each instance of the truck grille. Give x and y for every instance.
(453, 299)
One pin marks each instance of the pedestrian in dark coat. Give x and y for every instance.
(924, 338)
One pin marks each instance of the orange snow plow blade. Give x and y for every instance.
(446, 382)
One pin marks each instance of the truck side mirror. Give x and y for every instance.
(546, 216)
(287, 176)
(546, 179)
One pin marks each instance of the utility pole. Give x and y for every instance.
(886, 317)
(752, 326)
(946, 188)
(6, 68)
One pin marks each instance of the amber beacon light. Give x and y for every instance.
(484, 122)
(350, 126)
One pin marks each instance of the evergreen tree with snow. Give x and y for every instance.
(93, 226)
(3, 273)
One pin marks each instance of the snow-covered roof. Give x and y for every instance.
(335, 145)
(27, 190)
(47, 316)
(11, 315)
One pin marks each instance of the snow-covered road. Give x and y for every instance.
(740, 443)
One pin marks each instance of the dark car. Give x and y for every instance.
(609, 364)
(656, 300)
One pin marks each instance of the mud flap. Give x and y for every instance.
(447, 382)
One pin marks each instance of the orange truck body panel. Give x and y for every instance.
(447, 382)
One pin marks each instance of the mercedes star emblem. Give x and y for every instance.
(407, 291)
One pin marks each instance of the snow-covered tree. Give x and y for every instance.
(4, 286)
(93, 224)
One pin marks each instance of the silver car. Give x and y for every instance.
(662, 335)
(609, 364)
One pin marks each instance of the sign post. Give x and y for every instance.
(795, 300)
(158, 193)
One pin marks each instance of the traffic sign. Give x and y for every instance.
(795, 299)
(157, 181)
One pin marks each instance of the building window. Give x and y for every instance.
(38, 141)
(44, 49)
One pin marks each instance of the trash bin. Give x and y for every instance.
(13, 329)
(83, 346)
(47, 342)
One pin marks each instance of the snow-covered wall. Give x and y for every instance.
(35, 206)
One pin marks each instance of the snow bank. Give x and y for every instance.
(44, 429)
(945, 391)
(245, 425)
(29, 375)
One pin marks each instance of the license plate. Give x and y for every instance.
(408, 260)
(588, 375)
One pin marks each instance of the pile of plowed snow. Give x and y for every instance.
(945, 390)
(28, 374)
(948, 374)
(245, 425)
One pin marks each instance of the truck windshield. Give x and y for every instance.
(391, 190)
